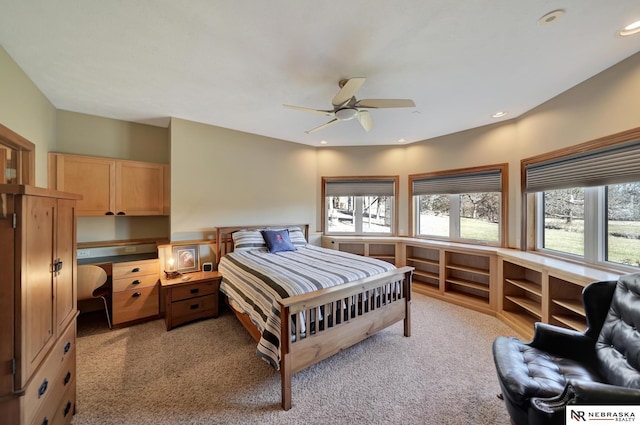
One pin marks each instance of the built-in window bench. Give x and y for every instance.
(520, 288)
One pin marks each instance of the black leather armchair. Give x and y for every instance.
(560, 367)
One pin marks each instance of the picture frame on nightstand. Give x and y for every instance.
(187, 258)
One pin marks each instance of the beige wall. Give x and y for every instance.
(95, 136)
(222, 177)
(25, 110)
(605, 104)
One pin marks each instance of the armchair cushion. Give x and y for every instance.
(618, 346)
(527, 372)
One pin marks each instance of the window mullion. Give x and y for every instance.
(591, 225)
(358, 213)
(454, 217)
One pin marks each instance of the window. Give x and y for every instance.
(359, 205)
(462, 205)
(587, 200)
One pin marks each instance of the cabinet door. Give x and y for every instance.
(93, 178)
(140, 188)
(38, 324)
(65, 288)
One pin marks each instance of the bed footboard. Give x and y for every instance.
(317, 325)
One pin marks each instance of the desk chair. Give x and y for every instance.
(90, 279)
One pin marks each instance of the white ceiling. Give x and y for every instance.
(234, 63)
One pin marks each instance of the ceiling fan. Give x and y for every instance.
(346, 107)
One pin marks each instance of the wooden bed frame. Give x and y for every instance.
(374, 303)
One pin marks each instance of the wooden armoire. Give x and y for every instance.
(37, 305)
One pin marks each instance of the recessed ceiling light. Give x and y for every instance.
(323, 142)
(401, 140)
(630, 29)
(551, 17)
(499, 114)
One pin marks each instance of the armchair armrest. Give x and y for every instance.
(552, 410)
(563, 342)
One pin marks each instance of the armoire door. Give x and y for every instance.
(36, 276)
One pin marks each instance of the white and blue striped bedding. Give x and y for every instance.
(255, 279)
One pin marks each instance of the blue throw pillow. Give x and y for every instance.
(278, 240)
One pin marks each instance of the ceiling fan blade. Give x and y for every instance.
(365, 120)
(385, 103)
(315, 111)
(325, 125)
(348, 91)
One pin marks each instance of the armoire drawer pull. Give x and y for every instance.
(136, 270)
(43, 388)
(67, 408)
(136, 282)
(67, 347)
(67, 378)
(45, 421)
(195, 290)
(136, 294)
(194, 306)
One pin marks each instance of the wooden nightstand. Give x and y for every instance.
(192, 299)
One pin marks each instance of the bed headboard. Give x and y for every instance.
(224, 240)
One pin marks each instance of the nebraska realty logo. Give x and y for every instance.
(580, 414)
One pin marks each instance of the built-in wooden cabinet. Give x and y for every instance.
(381, 250)
(111, 186)
(520, 288)
(426, 262)
(534, 288)
(37, 305)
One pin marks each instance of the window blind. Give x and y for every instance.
(611, 165)
(360, 188)
(487, 181)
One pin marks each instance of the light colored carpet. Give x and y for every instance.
(207, 372)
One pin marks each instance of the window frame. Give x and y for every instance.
(454, 226)
(595, 220)
(364, 179)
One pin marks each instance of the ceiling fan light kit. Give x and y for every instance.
(346, 107)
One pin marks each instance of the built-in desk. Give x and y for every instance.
(118, 258)
(132, 277)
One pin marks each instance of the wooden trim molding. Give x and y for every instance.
(25, 156)
(528, 232)
(504, 207)
(396, 196)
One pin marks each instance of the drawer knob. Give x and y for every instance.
(121, 213)
(45, 421)
(67, 378)
(67, 408)
(136, 294)
(43, 388)
(67, 347)
(136, 282)
(136, 270)
(194, 306)
(195, 290)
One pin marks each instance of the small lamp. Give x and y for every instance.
(171, 272)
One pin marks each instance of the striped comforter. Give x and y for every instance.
(254, 280)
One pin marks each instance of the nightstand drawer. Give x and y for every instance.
(135, 304)
(187, 291)
(135, 268)
(194, 306)
(134, 282)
